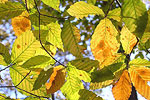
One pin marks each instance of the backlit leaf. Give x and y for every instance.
(10, 9)
(134, 15)
(52, 3)
(37, 62)
(85, 10)
(85, 64)
(57, 79)
(128, 40)
(104, 43)
(2, 96)
(72, 85)
(28, 82)
(21, 23)
(3, 1)
(122, 89)
(139, 62)
(88, 95)
(104, 77)
(71, 38)
(24, 47)
(115, 14)
(42, 78)
(91, 2)
(140, 77)
(4, 55)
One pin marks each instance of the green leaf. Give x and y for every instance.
(10, 10)
(91, 2)
(115, 14)
(71, 38)
(4, 55)
(134, 15)
(28, 82)
(88, 95)
(139, 62)
(85, 10)
(105, 76)
(44, 20)
(52, 3)
(85, 64)
(39, 61)
(72, 85)
(42, 78)
(24, 47)
(53, 34)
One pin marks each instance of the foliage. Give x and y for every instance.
(45, 28)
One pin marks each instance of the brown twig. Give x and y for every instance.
(118, 3)
(7, 67)
(40, 38)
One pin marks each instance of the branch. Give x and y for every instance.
(26, 6)
(109, 8)
(53, 98)
(40, 38)
(7, 67)
(118, 3)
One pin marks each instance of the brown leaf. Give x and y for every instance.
(139, 77)
(21, 23)
(57, 79)
(122, 89)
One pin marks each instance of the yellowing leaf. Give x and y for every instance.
(139, 62)
(115, 14)
(104, 43)
(57, 79)
(3, 1)
(21, 23)
(128, 40)
(139, 77)
(82, 9)
(122, 89)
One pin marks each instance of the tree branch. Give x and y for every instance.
(118, 3)
(7, 67)
(40, 38)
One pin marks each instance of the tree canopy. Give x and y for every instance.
(101, 36)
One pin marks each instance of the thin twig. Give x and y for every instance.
(40, 38)
(109, 8)
(118, 3)
(23, 78)
(53, 98)
(7, 67)
(26, 6)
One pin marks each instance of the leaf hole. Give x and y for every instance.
(31, 77)
(148, 83)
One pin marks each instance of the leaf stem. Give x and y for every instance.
(7, 67)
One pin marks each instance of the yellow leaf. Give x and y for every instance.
(128, 40)
(57, 79)
(3, 1)
(21, 23)
(104, 43)
(139, 77)
(122, 89)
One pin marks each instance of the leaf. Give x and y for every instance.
(3, 1)
(21, 23)
(42, 78)
(122, 89)
(4, 55)
(128, 40)
(57, 79)
(37, 62)
(115, 14)
(88, 95)
(85, 64)
(72, 85)
(85, 10)
(53, 34)
(18, 73)
(139, 77)
(134, 15)
(71, 37)
(139, 62)
(24, 47)
(104, 43)
(104, 77)
(52, 3)
(10, 9)
(2, 96)
(91, 2)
